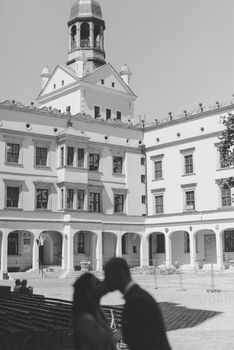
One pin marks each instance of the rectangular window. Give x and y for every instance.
(62, 199)
(143, 178)
(70, 198)
(80, 157)
(12, 197)
(113, 84)
(117, 165)
(134, 249)
(41, 156)
(62, 156)
(143, 199)
(186, 242)
(42, 196)
(226, 199)
(223, 159)
(96, 112)
(108, 113)
(118, 115)
(93, 162)
(188, 164)
(13, 153)
(159, 204)
(80, 199)
(229, 241)
(81, 243)
(102, 81)
(189, 200)
(158, 169)
(94, 202)
(160, 240)
(142, 161)
(118, 203)
(70, 156)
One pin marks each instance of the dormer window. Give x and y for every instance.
(54, 86)
(62, 82)
(113, 84)
(102, 81)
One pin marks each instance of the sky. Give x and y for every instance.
(181, 52)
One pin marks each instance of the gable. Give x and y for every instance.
(107, 77)
(60, 78)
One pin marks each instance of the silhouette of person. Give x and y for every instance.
(90, 328)
(17, 286)
(24, 289)
(142, 322)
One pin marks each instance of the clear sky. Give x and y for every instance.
(181, 52)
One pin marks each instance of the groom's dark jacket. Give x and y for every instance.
(142, 322)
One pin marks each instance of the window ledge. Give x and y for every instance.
(19, 165)
(42, 167)
(42, 210)
(190, 174)
(119, 214)
(95, 172)
(14, 209)
(224, 169)
(227, 208)
(162, 178)
(190, 211)
(118, 174)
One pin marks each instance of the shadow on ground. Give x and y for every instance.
(178, 317)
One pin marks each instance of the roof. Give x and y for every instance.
(86, 8)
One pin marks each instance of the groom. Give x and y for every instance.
(142, 323)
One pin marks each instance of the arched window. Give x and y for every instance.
(84, 35)
(97, 36)
(13, 243)
(73, 37)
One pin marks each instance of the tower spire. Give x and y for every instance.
(86, 37)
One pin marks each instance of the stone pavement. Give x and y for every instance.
(195, 319)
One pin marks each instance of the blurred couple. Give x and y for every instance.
(142, 322)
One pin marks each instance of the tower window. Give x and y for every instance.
(96, 112)
(97, 37)
(102, 81)
(118, 115)
(113, 84)
(108, 113)
(73, 37)
(84, 35)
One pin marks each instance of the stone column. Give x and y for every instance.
(91, 34)
(64, 252)
(78, 34)
(144, 251)
(99, 262)
(219, 250)
(4, 251)
(168, 250)
(193, 250)
(68, 253)
(119, 245)
(35, 252)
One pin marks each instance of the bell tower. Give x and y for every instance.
(86, 37)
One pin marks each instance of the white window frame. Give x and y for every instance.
(155, 193)
(189, 188)
(17, 141)
(154, 159)
(184, 153)
(43, 186)
(14, 183)
(43, 144)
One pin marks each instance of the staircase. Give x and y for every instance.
(48, 272)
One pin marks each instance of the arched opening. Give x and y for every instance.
(73, 37)
(109, 241)
(131, 248)
(205, 247)
(50, 248)
(19, 250)
(180, 248)
(84, 248)
(228, 246)
(97, 36)
(157, 254)
(84, 35)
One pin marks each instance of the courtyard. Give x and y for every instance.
(196, 317)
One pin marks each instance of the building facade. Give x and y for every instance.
(79, 182)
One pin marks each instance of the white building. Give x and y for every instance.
(75, 172)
